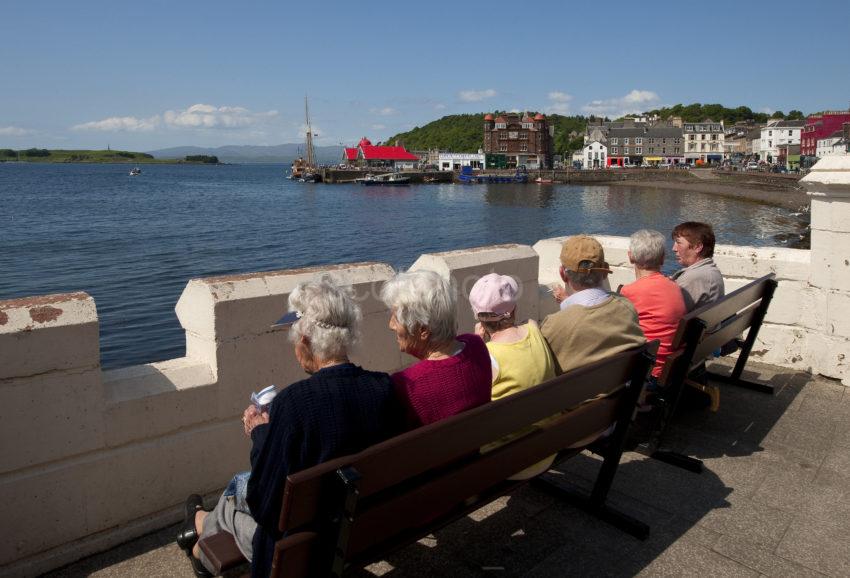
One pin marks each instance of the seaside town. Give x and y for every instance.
(524, 142)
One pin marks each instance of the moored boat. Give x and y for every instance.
(135, 171)
(468, 176)
(389, 179)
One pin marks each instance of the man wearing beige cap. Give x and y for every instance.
(592, 323)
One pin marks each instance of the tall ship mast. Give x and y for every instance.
(306, 169)
(311, 156)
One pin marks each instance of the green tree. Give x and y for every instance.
(796, 115)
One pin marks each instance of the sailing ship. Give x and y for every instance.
(305, 170)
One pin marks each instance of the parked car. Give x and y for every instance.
(752, 166)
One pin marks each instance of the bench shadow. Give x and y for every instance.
(747, 422)
(532, 533)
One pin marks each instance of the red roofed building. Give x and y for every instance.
(368, 155)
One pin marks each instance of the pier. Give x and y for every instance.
(95, 458)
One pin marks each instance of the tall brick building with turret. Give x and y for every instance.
(523, 139)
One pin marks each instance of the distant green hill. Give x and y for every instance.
(88, 156)
(465, 133)
(75, 156)
(697, 112)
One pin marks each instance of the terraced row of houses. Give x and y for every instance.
(643, 140)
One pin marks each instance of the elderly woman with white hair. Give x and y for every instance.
(340, 409)
(453, 372)
(658, 300)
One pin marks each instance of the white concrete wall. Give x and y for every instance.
(91, 458)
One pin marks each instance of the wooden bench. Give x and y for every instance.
(355, 509)
(701, 333)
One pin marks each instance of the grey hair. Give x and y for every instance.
(328, 317)
(588, 280)
(423, 299)
(647, 249)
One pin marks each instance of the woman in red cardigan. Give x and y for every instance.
(453, 373)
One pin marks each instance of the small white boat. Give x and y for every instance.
(135, 171)
(389, 179)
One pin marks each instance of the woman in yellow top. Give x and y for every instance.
(519, 354)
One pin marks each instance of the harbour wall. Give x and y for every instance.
(92, 458)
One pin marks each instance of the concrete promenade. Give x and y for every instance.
(774, 500)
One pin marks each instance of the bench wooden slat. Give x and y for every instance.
(441, 443)
(711, 342)
(448, 489)
(714, 313)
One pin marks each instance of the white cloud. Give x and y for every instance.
(559, 102)
(386, 111)
(633, 102)
(767, 110)
(14, 131)
(209, 116)
(197, 116)
(379, 126)
(440, 106)
(476, 95)
(120, 123)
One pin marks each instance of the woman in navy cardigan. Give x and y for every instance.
(340, 409)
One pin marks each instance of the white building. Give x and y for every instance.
(703, 141)
(455, 161)
(778, 132)
(826, 146)
(593, 155)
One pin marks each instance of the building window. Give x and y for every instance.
(626, 150)
(663, 151)
(626, 140)
(714, 137)
(638, 140)
(770, 133)
(651, 140)
(513, 135)
(501, 125)
(614, 141)
(503, 148)
(523, 148)
(614, 150)
(638, 150)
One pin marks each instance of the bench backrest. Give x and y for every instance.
(385, 493)
(706, 329)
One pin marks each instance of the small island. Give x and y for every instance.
(36, 155)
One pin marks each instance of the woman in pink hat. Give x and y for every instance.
(519, 354)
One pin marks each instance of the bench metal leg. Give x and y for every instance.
(618, 519)
(731, 380)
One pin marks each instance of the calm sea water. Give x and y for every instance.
(134, 242)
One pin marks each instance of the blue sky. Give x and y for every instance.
(155, 74)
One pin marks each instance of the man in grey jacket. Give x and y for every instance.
(700, 279)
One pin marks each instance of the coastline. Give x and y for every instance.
(782, 197)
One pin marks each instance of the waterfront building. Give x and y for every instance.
(778, 132)
(594, 155)
(625, 145)
(663, 145)
(789, 156)
(821, 126)
(366, 155)
(836, 143)
(523, 139)
(754, 142)
(456, 161)
(703, 142)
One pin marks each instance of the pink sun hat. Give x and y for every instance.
(494, 295)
